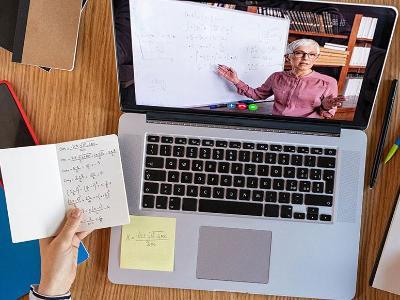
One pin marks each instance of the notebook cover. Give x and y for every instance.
(46, 33)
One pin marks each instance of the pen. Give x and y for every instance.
(382, 136)
(393, 150)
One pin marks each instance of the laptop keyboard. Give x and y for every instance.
(221, 176)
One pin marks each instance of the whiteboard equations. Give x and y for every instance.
(177, 46)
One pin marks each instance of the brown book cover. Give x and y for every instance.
(47, 33)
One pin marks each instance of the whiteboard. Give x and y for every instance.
(177, 46)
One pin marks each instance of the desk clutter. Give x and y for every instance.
(42, 33)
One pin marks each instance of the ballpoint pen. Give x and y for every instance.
(393, 150)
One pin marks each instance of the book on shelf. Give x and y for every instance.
(367, 28)
(351, 91)
(336, 47)
(359, 56)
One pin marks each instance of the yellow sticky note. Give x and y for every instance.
(148, 243)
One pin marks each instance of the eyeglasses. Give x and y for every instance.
(300, 54)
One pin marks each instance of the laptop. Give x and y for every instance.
(245, 122)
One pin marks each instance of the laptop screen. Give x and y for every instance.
(271, 59)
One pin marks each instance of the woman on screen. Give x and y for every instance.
(300, 92)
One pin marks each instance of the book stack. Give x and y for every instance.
(367, 28)
(332, 57)
(359, 57)
(351, 91)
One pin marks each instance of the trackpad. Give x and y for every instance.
(234, 254)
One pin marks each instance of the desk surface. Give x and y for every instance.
(71, 105)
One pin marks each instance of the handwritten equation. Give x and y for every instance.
(149, 238)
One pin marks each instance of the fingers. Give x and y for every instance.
(83, 234)
(71, 225)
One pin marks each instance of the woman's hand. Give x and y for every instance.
(59, 257)
(330, 102)
(228, 73)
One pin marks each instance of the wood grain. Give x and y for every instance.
(70, 105)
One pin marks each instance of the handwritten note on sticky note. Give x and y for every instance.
(148, 243)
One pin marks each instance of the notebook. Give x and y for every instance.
(53, 23)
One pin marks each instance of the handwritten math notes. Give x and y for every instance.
(43, 182)
(148, 243)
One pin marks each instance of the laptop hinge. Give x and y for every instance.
(282, 126)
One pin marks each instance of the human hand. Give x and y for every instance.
(330, 102)
(228, 73)
(59, 257)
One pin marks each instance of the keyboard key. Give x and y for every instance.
(154, 162)
(231, 194)
(290, 149)
(316, 150)
(174, 202)
(312, 210)
(230, 207)
(305, 186)
(236, 145)
(180, 140)
(303, 150)
(271, 196)
(226, 180)
(284, 197)
(257, 157)
(252, 182)
(218, 193)
(155, 175)
(318, 200)
(153, 138)
(161, 202)
(309, 161)
(330, 152)
(289, 172)
(244, 156)
(192, 152)
(178, 151)
(208, 143)
(249, 169)
(265, 183)
(270, 158)
(231, 155)
(278, 184)
(184, 164)
(326, 218)
(152, 149)
(223, 167)
(326, 162)
(173, 176)
(329, 175)
(258, 195)
(298, 215)
(297, 198)
(192, 191)
(205, 153)
(189, 204)
(271, 210)
(148, 201)
(329, 187)
(237, 168)
(291, 185)
(199, 178)
(286, 211)
(244, 194)
(297, 160)
(194, 142)
(211, 166)
(167, 139)
(179, 190)
(218, 154)
(302, 173)
(275, 148)
(262, 147)
(315, 174)
(166, 189)
(238, 181)
(205, 192)
(283, 159)
(197, 165)
(317, 187)
(213, 179)
(312, 216)
(221, 144)
(276, 171)
(262, 170)
(248, 145)
(171, 163)
(165, 150)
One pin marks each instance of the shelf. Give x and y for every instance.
(335, 36)
(357, 69)
(364, 40)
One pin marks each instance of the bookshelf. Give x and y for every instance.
(327, 35)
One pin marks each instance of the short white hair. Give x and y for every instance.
(301, 42)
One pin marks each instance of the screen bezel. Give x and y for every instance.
(361, 118)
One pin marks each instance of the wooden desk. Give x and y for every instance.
(70, 105)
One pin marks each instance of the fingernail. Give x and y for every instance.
(76, 213)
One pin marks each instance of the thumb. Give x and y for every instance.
(71, 225)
